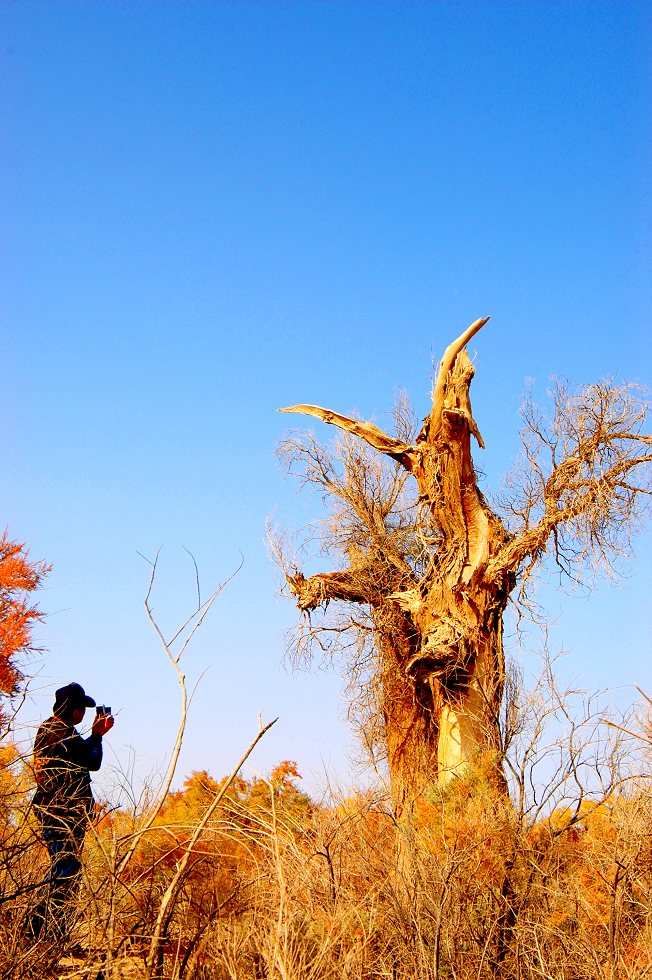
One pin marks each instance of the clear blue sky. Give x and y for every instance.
(211, 210)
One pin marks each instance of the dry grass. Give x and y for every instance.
(278, 887)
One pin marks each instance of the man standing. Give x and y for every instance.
(63, 801)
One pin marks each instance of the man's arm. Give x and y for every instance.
(87, 752)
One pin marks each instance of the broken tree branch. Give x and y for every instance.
(370, 433)
(447, 362)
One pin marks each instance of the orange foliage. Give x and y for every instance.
(9, 787)
(234, 841)
(18, 577)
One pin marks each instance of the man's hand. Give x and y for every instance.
(103, 724)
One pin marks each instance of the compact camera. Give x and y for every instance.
(103, 710)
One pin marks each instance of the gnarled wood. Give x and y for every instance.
(446, 365)
(371, 434)
(440, 645)
(318, 589)
(438, 633)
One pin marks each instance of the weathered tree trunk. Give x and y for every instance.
(458, 670)
(440, 637)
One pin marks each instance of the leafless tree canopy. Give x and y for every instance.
(582, 483)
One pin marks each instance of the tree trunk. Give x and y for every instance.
(458, 670)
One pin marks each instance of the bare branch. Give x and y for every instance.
(174, 659)
(320, 589)
(198, 830)
(582, 482)
(367, 431)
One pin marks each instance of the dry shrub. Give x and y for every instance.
(281, 887)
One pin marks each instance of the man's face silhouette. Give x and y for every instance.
(77, 716)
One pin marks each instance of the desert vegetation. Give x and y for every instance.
(249, 878)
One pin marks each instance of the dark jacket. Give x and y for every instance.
(63, 761)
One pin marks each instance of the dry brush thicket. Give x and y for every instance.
(243, 879)
(278, 886)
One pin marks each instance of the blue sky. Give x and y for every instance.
(211, 210)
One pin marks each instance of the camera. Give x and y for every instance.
(103, 710)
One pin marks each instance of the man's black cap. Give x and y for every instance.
(72, 696)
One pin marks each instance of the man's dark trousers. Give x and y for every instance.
(51, 917)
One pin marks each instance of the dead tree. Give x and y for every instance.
(427, 581)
